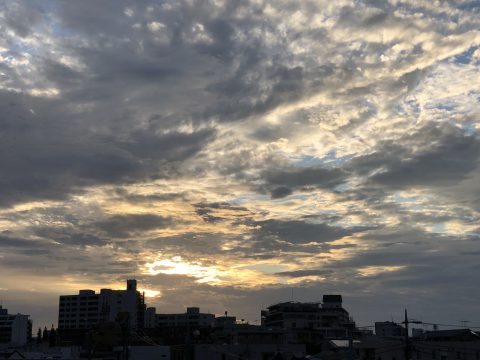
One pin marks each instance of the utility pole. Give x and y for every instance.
(407, 339)
(407, 344)
(351, 328)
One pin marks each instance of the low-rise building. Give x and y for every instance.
(455, 344)
(192, 319)
(248, 351)
(389, 329)
(329, 319)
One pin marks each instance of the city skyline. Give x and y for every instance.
(235, 154)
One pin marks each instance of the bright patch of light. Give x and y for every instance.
(48, 93)
(177, 266)
(375, 270)
(150, 293)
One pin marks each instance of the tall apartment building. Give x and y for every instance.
(15, 329)
(88, 308)
(328, 318)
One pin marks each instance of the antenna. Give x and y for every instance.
(464, 323)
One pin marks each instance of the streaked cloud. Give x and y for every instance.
(225, 152)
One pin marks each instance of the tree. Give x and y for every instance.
(39, 336)
(45, 335)
(53, 337)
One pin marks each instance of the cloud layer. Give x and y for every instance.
(227, 152)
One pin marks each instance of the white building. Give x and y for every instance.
(86, 309)
(14, 329)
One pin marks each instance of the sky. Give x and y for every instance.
(231, 154)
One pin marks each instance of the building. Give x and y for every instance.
(15, 329)
(389, 329)
(248, 351)
(454, 344)
(328, 319)
(379, 348)
(87, 309)
(192, 319)
(152, 352)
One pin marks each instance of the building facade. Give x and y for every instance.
(87, 308)
(15, 329)
(192, 318)
(329, 318)
(389, 329)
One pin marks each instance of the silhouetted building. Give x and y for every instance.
(389, 329)
(225, 321)
(248, 351)
(87, 309)
(192, 318)
(455, 344)
(329, 319)
(15, 329)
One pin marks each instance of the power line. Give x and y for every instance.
(449, 325)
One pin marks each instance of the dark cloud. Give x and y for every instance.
(299, 232)
(16, 242)
(123, 226)
(21, 19)
(436, 155)
(70, 236)
(213, 212)
(281, 183)
(45, 157)
(137, 102)
(151, 198)
(305, 273)
(190, 244)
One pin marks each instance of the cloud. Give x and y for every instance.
(283, 182)
(123, 226)
(305, 273)
(212, 212)
(451, 157)
(299, 232)
(324, 146)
